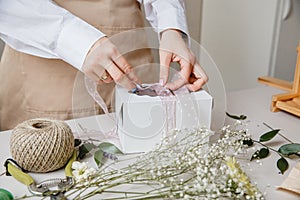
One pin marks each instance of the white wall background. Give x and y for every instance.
(238, 36)
(193, 15)
(288, 31)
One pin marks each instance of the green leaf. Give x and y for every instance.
(248, 142)
(269, 135)
(263, 152)
(289, 149)
(109, 148)
(85, 149)
(259, 154)
(282, 165)
(241, 117)
(98, 157)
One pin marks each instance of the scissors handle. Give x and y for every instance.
(42, 189)
(18, 174)
(68, 168)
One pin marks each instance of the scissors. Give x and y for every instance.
(45, 188)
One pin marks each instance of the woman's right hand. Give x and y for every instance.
(105, 64)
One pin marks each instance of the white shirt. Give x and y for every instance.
(42, 28)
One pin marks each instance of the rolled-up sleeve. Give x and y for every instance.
(44, 29)
(166, 14)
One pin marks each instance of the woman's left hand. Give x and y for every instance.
(174, 49)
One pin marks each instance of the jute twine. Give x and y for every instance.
(42, 145)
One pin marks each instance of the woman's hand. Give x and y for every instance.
(105, 64)
(174, 49)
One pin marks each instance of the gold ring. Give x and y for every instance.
(104, 76)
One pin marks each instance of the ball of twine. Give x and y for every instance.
(42, 145)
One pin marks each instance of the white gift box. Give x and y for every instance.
(143, 120)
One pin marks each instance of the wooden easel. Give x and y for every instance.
(290, 100)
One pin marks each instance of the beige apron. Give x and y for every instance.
(34, 87)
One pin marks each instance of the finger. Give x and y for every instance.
(102, 75)
(196, 85)
(122, 63)
(199, 72)
(186, 69)
(176, 84)
(184, 75)
(199, 79)
(165, 60)
(181, 81)
(106, 78)
(192, 79)
(119, 77)
(94, 77)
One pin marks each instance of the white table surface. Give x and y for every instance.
(254, 103)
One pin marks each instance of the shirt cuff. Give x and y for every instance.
(75, 40)
(177, 21)
(172, 19)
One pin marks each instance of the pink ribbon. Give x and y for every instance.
(169, 104)
(91, 87)
(168, 100)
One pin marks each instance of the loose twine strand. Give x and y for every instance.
(42, 145)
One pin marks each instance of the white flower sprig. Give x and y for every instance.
(188, 168)
(81, 172)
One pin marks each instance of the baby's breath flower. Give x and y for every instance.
(188, 168)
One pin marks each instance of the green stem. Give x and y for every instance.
(121, 180)
(122, 192)
(25, 197)
(269, 147)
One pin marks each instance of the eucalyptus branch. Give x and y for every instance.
(283, 151)
(280, 154)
